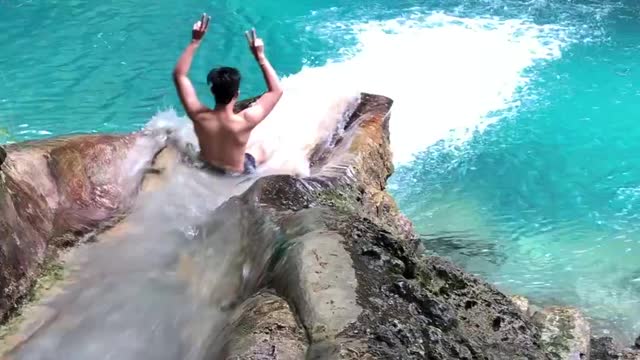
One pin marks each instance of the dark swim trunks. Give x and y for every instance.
(249, 167)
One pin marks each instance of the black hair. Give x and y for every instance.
(224, 82)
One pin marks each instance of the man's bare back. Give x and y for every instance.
(223, 139)
(222, 134)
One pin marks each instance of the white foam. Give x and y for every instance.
(304, 117)
(300, 121)
(446, 75)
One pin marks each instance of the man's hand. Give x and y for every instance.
(200, 28)
(255, 44)
(259, 111)
(186, 91)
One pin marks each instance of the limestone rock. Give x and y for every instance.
(566, 334)
(264, 327)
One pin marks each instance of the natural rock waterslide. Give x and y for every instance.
(280, 267)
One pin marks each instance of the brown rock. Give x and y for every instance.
(54, 191)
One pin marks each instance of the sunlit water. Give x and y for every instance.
(513, 126)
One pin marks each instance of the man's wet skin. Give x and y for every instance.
(222, 134)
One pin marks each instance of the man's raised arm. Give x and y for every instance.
(186, 91)
(259, 111)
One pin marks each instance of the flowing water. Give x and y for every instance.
(513, 125)
(159, 285)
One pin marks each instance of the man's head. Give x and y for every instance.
(224, 83)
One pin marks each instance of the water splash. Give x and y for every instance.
(302, 119)
(413, 60)
(449, 76)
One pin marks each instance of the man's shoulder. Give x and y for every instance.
(239, 117)
(221, 117)
(207, 115)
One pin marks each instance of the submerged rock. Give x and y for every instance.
(337, 274)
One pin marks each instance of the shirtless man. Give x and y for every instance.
(223, 134)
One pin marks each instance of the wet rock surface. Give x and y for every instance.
(265, 328)
(356, 277)
(522, 303)
(334, 272)
(53, 192)
(606, 348)
(426, 307)
(565, 332)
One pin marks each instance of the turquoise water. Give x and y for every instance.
(545, 202)
(513, 125)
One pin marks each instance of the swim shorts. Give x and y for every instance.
(249, 167)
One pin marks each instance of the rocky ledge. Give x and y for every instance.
(55, 192)
(606, 348)
(344, 276)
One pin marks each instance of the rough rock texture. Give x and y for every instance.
(265, 327)
(565, 332)
(54, 191)
(522, 303)
(340, 275)
(605, 348)
(352, 270)
(392, 304)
